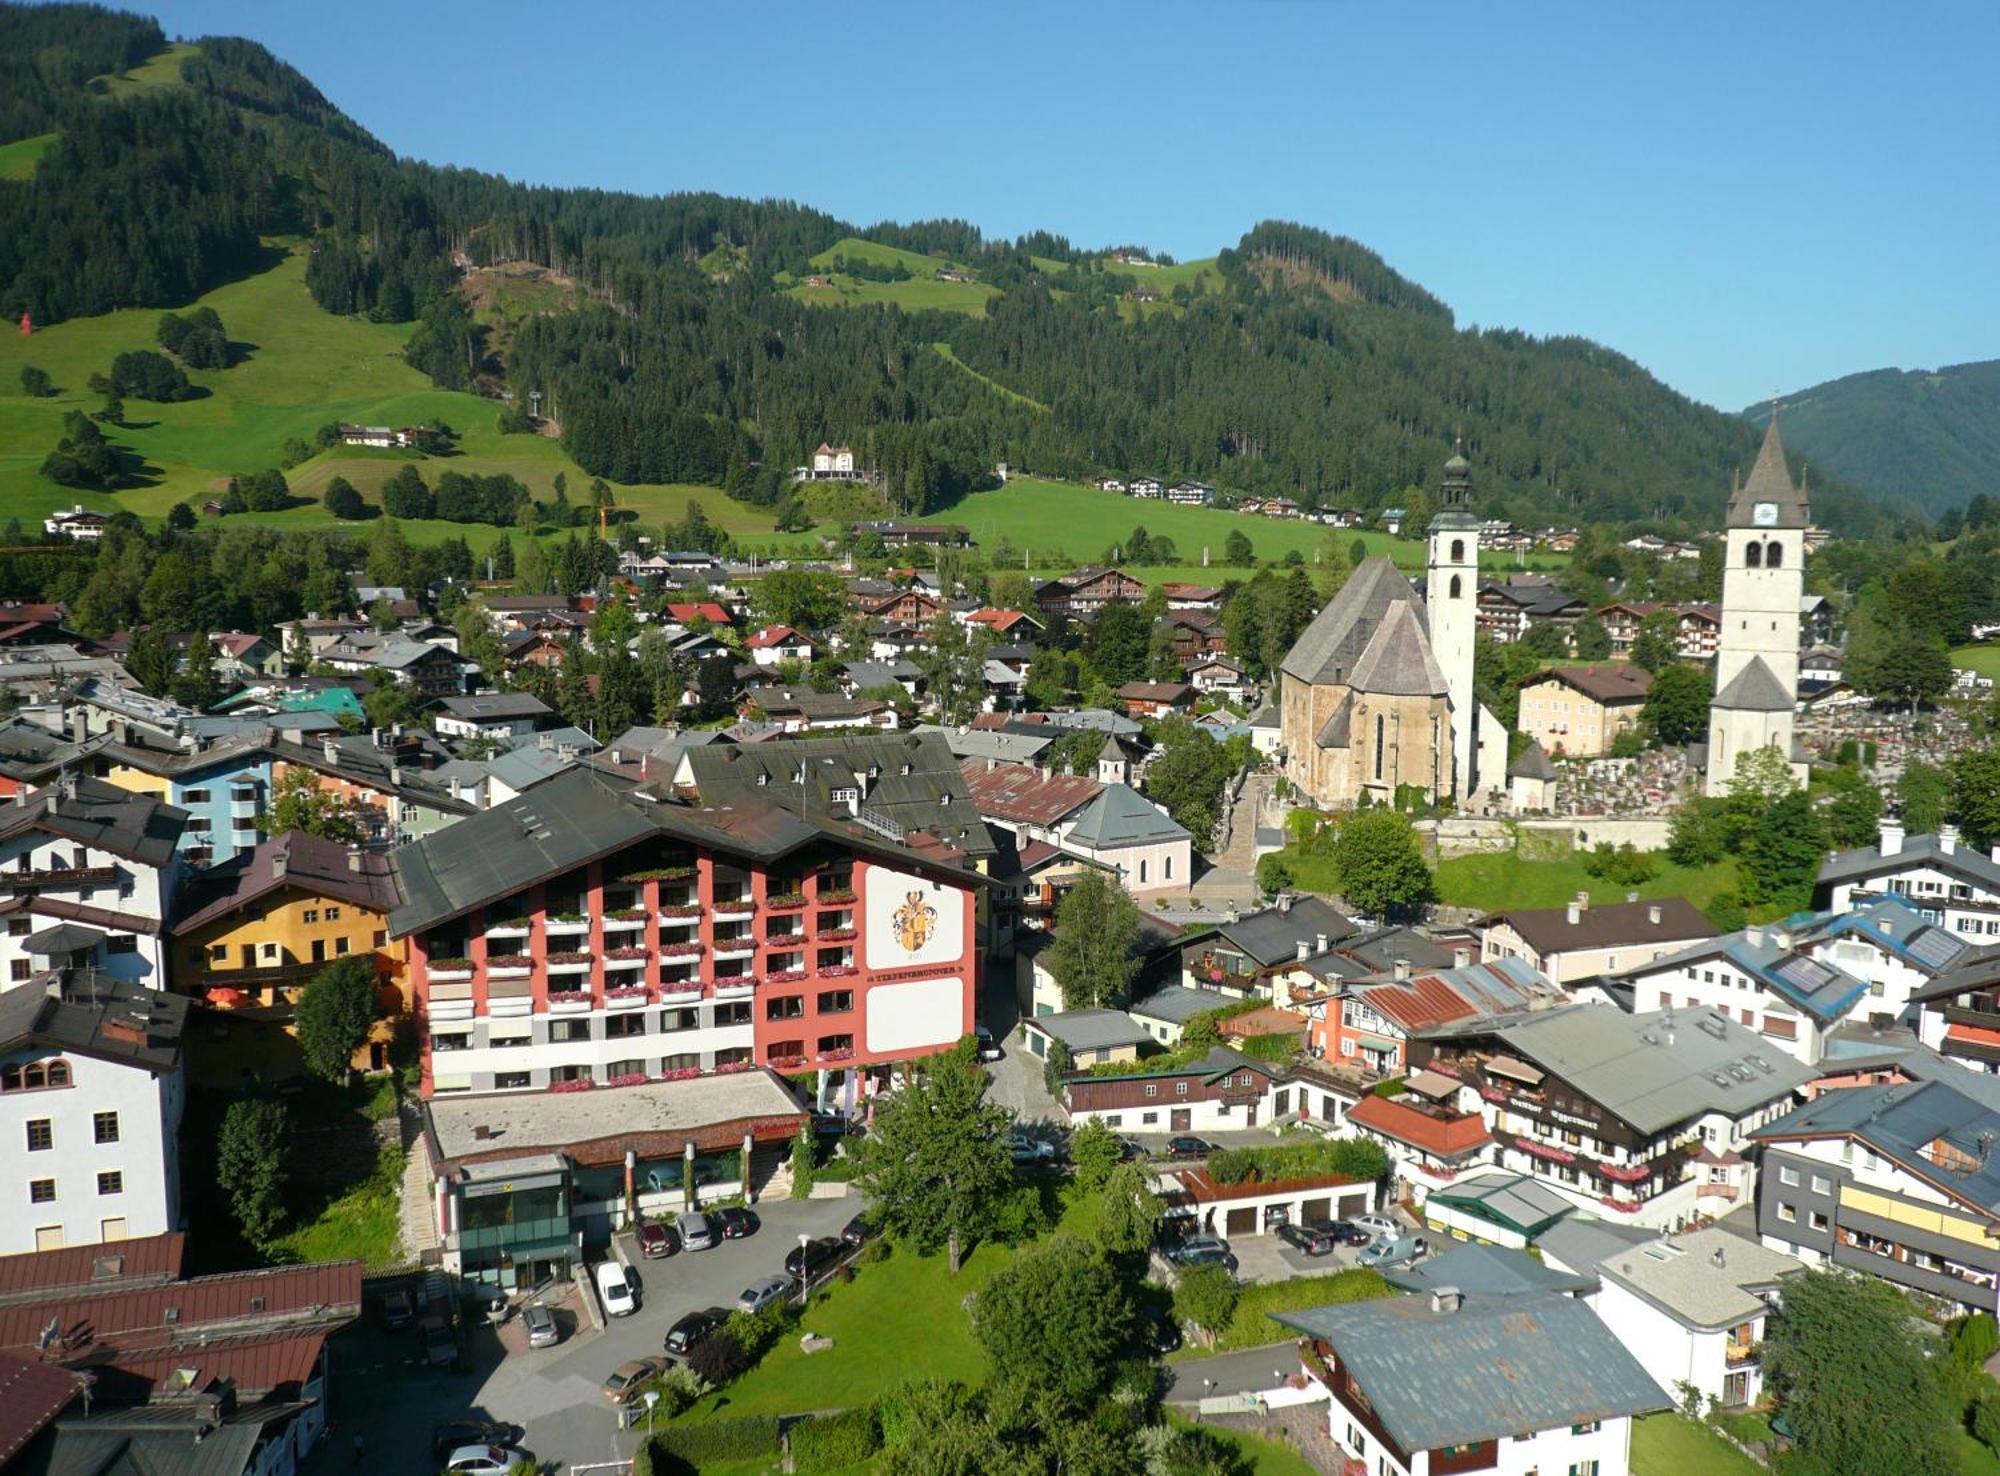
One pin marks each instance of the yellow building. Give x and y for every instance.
(1576, 711)
(254, 932)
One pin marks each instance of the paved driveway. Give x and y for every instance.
(380, 1387)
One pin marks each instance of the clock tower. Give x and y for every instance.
(1763, 578)
(1451, 607)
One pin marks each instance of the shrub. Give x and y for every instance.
(831, 1442)
(679, 1387)
(739, 1438)
(1357, 1158)
(718, 1358)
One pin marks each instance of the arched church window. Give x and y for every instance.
(1454, 586)
(1457, 553)
(1774, 555)
(1380, 729)
(1754, 555)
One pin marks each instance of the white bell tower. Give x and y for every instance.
(1451, 608)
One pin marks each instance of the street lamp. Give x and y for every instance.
(652, 1397)
(805, 1271)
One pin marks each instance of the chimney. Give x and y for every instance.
(1319, 942)
(1304, 950)
(482, 1132)
(989, 763)
(1284, 903)
(1947, 838)
(545, 741)
(1574, 912)
(1446, 1299)
(328, 748)
(1892, 835)
(279, 861)
(1402, 971)
(1653, 914)
(1631, 896)
(353, 858)
(1461, 957)
(79, 724)
(395, 776)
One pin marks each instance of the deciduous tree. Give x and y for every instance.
(1055, 1319)
(253, 1152)
(1380, 865)
(298, 803)
(1095, 953)
(335, 1014)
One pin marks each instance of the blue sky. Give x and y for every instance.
(1745, 198)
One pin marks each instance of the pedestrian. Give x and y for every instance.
(359, 1446)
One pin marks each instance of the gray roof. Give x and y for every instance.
(1397, 661)
(1532, 764)
(491, 705)
(1090, 1030)
(1273, 935)
(1653, 1074)
(1329, 647)
(1099, 718)
(1706, 1280)
(147, 1441)
(1005, 747)
(71, 1015)
(1900, 1123)
(1486, 1271)
(1514, 1198)
(1121, 816)
(1177, 1004)
(1497, 1366)
(1770, 480)
(1578, 1242)
(1755, 688)
(102, 816)
(1864, 862)
(520, 768)
(524, 1123)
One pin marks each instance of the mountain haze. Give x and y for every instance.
(1930, 437)
(699, 338)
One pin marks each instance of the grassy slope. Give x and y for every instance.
(163, 70)
(1505, 880)
(18, 159)
(1673, 1445)
(944, 351)
(304, 367)
(923, 290)
(1983, 659)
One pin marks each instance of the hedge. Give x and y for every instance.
(1358, 1158)
(831, 1442)
(739, 1438)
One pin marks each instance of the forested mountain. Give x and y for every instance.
(1300, 363)
(1930, 437)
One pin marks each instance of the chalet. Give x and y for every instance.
(1193, 634)
(433, 671)
(1008, 625)
(245, 656)
(1079, 595)
(1368, 1022)
(800, 710)
(1392, 519)
(1951, 883)
(382, 437)
(709, 612)
(1148, 487)
(1109, 484)
(1281, 507)
(776, 644)
(1191, 494)
(78, 523)
(531, 648)
(915, 535)
(1578, 711)
(912, 607)
(954, 274)
(1154, 700)
(1192, 597)
(1222, 1090)
(1219, 676)
(1507, 612)
(1579, 940)
(491, 715)
(1112, 825)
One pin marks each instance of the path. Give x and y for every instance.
(1245, 1372)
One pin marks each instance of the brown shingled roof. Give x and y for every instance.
(1548, 929)
(31, 1394)
(322, 867)
(1611, 682)
(1024, 794)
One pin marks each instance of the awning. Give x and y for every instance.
(1433, 1084)
(1518, 1070)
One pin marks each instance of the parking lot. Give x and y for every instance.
(381, 1389)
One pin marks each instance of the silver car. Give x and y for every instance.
(697, 1231)
(541, 1325)
(762, 1293)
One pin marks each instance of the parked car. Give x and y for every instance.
(485, 1460)
(736, 1222)
(814, 1257)
(989, 1048)
(1395, 1250)
(399, 1309)
(541, 1325)
(1204, 1250)
(440, 1346)
(1189, 1148)
(1162, 1334)
(697, 1231)
(657, 1241)
(1344, 1232)
(455, 1435)
(621, 1298)
(761, 1293)
(1380, 1225)
(1314, 1240)
(858, 1231)
(693, 1328)
(835, 1125)
(1025, 1149)
(1131, 1150)
(625, 1379)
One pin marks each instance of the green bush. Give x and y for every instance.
(737, 1438)
(1357, 1158)
(831, 1442)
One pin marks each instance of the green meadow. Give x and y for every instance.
(921, 292)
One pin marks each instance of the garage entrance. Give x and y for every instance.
(1315, 1211)
(1179, 1120)
(1352, 1206)
(1240, 1222)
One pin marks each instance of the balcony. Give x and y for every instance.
(680, 991)
(679, 916)
(782, 902)
(621, 997)
(569, 1001)
(567, 922)
(735, 986)
(66, 876)
(743, 947)
(692, 948)
(789, 938)
(626, 919)
(574, 961)
(509, 965)
(1736, 1355)
(733, 909)
(843, 934)
(507, 927)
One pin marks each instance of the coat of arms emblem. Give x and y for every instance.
(914, 922)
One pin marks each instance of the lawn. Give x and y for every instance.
(19, 158)
(361, 1224)
(1673, 1445)
(299, 368)
(1503, 880)
(157, 72)
(1265, 1457)
(920, 292)
(1985, 660)
(1252, 1326)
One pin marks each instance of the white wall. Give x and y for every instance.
(136, 890)
(1543, 1453)
(1670, 1351)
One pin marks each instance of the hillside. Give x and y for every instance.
(1931, 437)
(678, 340)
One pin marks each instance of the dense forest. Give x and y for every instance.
(1931, 437)
(1301, 364)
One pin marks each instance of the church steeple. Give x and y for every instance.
(1768, 498)
(1455, 492)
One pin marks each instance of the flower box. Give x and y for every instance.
(570, 956)
(785, 900)
(509, 963)
(449, 965)
(623, 955)
(835, 935)
(629, 1079)
(836, 971)
(781, 1063)
(728, 1066)
(569, 917)
(1626, 1173)
(845, 1054)
(579, 1084)
(1623, 1206)
(785, 976)
(843, 894)
(658, 873)
(629, 914)
(679, 913)
(681, 1073)
(680, 950)
(569, 996)
(633, 991)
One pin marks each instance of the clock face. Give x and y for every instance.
(1764, 515)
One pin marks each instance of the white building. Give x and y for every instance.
(91, 1091)
(1951, 883)
(1763, 577)
(93, 870)
(1451, 611)
(78, 523)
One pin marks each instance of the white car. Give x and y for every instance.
(620, 1297)
(1380, 1226)
(760, 1294)
(485, 1460)
(1024, 1149)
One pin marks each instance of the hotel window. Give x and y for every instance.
(626, 1068)
(312, 914)
(1821, 1184)
(195, 797)
(121, 943)
(836, 1001)
(510, 1080)
(785, 1007)
(112, 1181)
(1817, 1219)
(618, 1027)
(732, 1012)
(567, 1030)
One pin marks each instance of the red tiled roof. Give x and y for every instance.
(1442, 1137)
(773, 635)
(1021, 793)
(148, 1258)
(253, 1364)
(708, 610)
(1418, 1003)
(31, 1394)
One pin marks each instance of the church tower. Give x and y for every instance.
(1451, 608)
(1763, 578)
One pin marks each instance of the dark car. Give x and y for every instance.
(814, 1257)
(398, 1309)
(1162, 1333)
(1189, 1148)
(657, 1241)
(835, 1125)
(858, 1231)
(1131, 1150)
(1344, 1232)
(448, 1437)
(694, 1328)
(1314, 1240)
(737, 1223)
